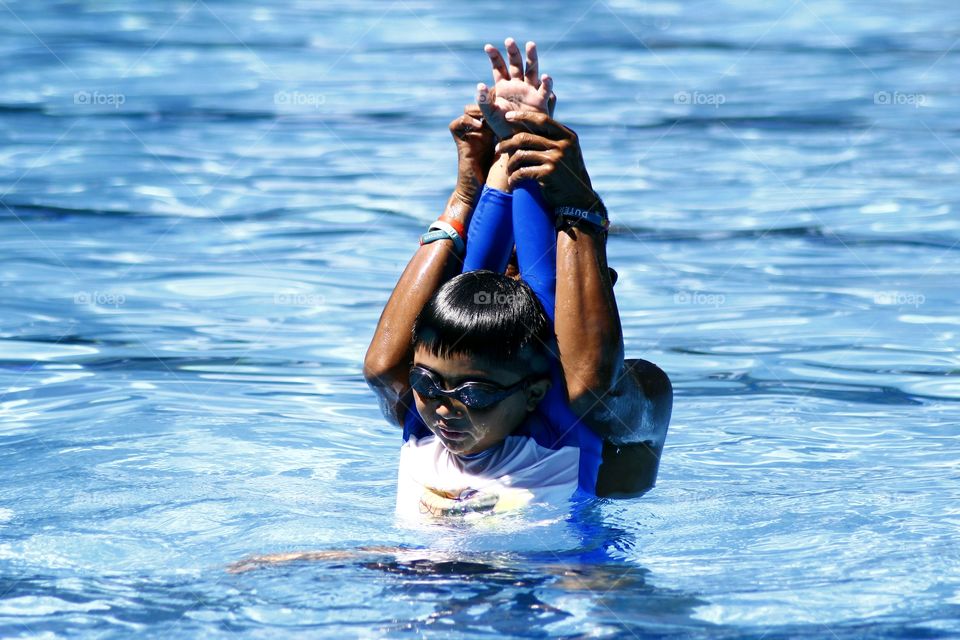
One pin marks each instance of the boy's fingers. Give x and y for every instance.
(485, 98)
(546, 90)
(533, 65)
(473, 110)
(516, 61)
(500, 71)
(552, 99)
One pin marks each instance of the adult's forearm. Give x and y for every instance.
(589, 335)
(431, 265)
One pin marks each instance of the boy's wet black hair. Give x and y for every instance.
(489, 316)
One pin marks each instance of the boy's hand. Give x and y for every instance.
(548, 152)
(474, 152)
(515, 88)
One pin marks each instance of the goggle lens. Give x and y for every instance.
(475, 395)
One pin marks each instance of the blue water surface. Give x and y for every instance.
(205, 205)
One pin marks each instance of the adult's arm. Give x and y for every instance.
(625, 403)
(388, 358)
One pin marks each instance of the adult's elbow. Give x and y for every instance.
(380, 374)
(375, 367)
(372, 370)
(585, 391)
(636, 408)
(584, 400)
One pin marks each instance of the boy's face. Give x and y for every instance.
(464, 430)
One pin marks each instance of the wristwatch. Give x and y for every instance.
(567, 217)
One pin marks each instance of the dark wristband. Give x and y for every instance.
(569, 216)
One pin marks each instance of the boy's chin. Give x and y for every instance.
(463, 448)
(459, 448)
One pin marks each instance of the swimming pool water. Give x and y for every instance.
(206, 204)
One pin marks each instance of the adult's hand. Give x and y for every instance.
(475, 143)
(515, 87)
(548, 152)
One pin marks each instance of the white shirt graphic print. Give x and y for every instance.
(435, 482)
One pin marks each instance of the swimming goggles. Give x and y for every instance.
(473, 394)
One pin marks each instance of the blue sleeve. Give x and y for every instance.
(490, 235)
(413, 424)
(536, 238)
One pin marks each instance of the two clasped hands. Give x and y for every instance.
(510, 135)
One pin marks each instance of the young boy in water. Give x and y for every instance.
(515, 390)
(467, 364)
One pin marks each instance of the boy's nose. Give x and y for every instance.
(449, 408)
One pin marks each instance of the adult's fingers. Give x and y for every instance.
(470, 118)
(523, 158)
(500, 71)
(470, 122)
(538, 122)
(465, 124)
(472, 115)
(525, 140)
(533, 65)
(460, 130)
(516, 61)
(537, 173)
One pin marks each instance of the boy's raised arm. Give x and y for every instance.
(388, 358)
